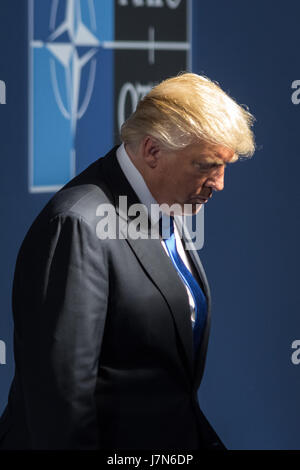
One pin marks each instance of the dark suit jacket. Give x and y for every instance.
(102, 333)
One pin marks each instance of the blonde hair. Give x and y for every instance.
(189, 108)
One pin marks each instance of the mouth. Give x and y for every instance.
(198, 200)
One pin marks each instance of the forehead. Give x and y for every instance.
(210, 153)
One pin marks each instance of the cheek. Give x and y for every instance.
(194, 181)
(200, 180)
(185, 182)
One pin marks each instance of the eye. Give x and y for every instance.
(204, 166)
(208, 166)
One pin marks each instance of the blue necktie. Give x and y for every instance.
(192, 284)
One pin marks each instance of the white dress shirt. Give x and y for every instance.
(138, 184)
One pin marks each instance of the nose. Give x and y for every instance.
(216, 179)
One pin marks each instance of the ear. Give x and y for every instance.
(151, 151)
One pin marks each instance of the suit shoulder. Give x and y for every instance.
(78, 201)
(79, 198)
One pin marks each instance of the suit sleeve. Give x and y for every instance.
(62, 282)
(210, 439)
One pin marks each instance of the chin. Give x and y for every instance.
(191, 208)
(187, 208)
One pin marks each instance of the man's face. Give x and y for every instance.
(188, 176)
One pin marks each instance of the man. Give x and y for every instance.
(111, 333)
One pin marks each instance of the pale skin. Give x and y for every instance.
(187, 176)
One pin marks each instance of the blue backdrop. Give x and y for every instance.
(251, 386)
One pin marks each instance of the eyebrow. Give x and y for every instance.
(209, 161)
(215, 160)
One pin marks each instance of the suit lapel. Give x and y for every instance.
(200, 356)
(161, 270)
(152, 256)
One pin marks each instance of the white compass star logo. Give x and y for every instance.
(73, 45)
